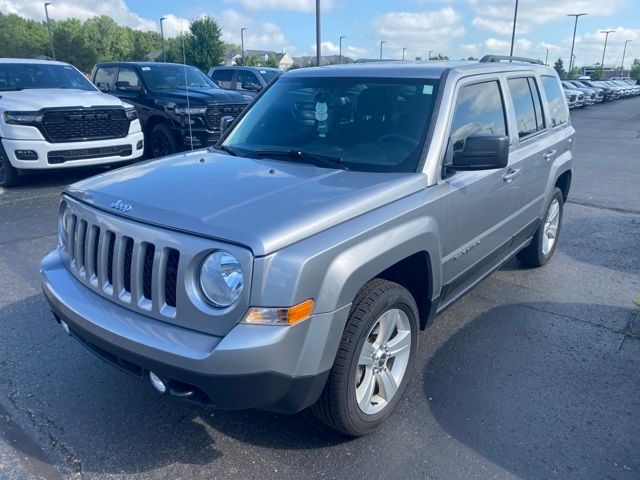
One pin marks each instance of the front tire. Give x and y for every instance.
(162, 142)
(8, 173)
(545, 240)
(374, 360)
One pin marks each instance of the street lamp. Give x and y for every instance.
(46, 14)
(430, 54)
(340, 48)
(546, 58)
(164, 53)
(242, 43)
(318, 33)
(403, 50)
(382, 42)
(513, 33)
(624, 52)
(575, 26)
(606, 32)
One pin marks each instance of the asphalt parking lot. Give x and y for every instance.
(533, 375)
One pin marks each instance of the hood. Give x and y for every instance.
(202, 96)
(37, 98)
(262, 204)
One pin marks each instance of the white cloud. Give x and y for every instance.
(435, 30)
(82, 9)
(258, 36)
(306, 6)
(330, 48)
(589, 47)
(497, 15)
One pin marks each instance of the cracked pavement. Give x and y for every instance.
(532, 375)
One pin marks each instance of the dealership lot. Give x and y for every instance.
(534, 374)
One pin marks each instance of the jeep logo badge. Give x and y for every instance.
(121, 206)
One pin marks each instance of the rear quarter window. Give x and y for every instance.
(557, 105)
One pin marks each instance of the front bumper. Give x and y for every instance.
(282, 369)
(201, 137)
(74, 154)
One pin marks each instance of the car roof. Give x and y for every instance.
(142, 64)
(417, 69)
(31, 61)
(244, 67)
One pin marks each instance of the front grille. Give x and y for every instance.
(123, 266)
(216, 112)
(61, 156)
(84, 124)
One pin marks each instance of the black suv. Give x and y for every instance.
(179, 106)
(245, 80)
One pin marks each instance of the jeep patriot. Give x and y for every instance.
(294, 264)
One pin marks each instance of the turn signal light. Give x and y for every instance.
(279, 316)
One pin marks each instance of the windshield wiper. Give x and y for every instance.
(316, 159)
(226, 149)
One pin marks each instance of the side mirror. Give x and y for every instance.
(225, 123)
(103, 87)
(251, 86)
(482, 152)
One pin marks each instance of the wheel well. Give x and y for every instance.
(155, 120)
(564, 183)
(414, 274)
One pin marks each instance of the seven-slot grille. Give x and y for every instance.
(84, 124)
(216, 112)
(135, 272)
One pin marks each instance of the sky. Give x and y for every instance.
(456, 28)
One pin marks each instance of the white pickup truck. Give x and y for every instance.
(52, 117)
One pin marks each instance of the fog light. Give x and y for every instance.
(157, 383)
(139, 145)
(26, 155)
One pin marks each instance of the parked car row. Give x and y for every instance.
(52, 116)
(582, 93)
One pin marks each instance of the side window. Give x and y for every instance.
(128, 75)
(528, 117)
(246, 78)
(223, 78)
(555, 97)
(479, 111)
(106, 76)
(537, 103)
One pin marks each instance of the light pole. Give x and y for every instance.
(46, 14)
(546, 58)
(242, 43)
(340, 48)
(403, 50)
(513, 33)
(624, 52)
(606, 32)
(575, 27)
(382, 42)
(430, 54)
(318, 33)
(164, 53)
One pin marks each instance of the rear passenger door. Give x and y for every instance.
(534, 150)
(481, 204)
(224, 78)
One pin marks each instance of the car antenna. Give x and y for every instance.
(186, 85)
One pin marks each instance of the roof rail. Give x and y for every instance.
(499, 58)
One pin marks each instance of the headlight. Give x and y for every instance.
(131, 113)
(221, 279)
(64, 224)
(190, 111)
(22, 118)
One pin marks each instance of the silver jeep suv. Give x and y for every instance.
(294, 264)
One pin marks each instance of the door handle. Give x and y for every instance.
(549, 155)
(511, 174)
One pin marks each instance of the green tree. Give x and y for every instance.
(21, 38)
(205, 45)
(635, 70)
(559, 67)
(597, 73)
(439, 56)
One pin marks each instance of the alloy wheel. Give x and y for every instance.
(551, 227)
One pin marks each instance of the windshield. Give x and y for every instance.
(22, 76)
(368, 124)
(268, 75)
(168, 77)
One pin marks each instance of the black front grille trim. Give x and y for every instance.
(81, 124)
(61, 156)
(171, 277)
(216, 112)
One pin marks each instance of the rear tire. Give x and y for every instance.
(545, 240)
(9, 176)
(374, 360)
